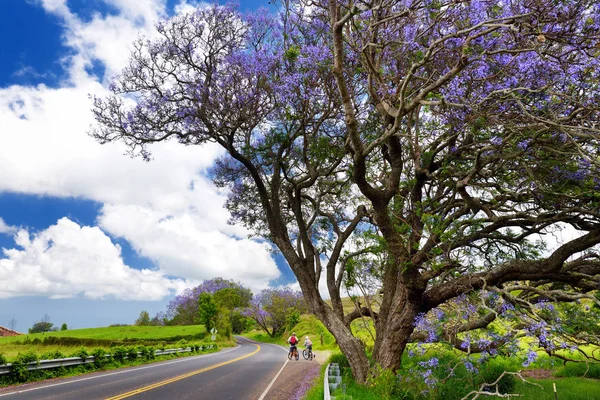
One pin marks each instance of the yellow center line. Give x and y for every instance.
(180, 377)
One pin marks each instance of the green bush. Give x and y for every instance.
(19, 369)
(100, 359)
(81, 353)
(132, 353)
(143, 350)
(151, 353)
(119, 353)
(52, 355)
(2, 359)
(340, 359)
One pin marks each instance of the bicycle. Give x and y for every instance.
(293, 353)
(307, 354)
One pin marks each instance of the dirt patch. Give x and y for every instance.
(7, 332)
(537, 373)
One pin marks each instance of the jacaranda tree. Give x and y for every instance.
(183, 309)
(273, 308)
(447, 139)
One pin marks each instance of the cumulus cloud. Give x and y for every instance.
(7, 229)
(184, 244)
(67, 260)
(166, 208)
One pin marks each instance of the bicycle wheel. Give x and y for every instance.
(305, 354)
(290, 353)
(297, 355)
(310, 355)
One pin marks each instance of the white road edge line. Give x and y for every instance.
(119, 372)
(262, 396)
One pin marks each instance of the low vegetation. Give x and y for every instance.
(124, 345)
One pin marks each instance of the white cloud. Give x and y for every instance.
(166, 209)
(67, 260)
(4, 228)
(184, 244)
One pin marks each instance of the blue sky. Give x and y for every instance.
(89, 236)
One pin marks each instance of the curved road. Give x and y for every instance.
(243, 372)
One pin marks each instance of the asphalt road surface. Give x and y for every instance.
(247, 371)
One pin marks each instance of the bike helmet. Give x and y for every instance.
(307, 338)
(293, 333)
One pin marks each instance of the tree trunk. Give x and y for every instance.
(350, 346)
(394, 333)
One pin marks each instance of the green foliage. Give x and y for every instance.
(229, 298)
(207, 310)
(144, 352)
(100, 359)
(341, 360)
(571, 369)
(119, 353)
(132, 353)
(19, 369)
(52, 355)
(566, 389)
(63, 327)
(293, 318)
(382, 381)
(81, 353)
(2, 359)
(143, 319)
(42, 326)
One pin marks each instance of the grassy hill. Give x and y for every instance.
(70, 341)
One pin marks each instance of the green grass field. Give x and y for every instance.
(115, 333)
(92, 338)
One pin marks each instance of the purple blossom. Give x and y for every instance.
(531, 357)
(496, 140)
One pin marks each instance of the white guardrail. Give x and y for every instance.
(332, 380)
(71, 361)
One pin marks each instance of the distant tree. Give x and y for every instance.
(273, 309)
(64, 326)
(42, 326)
(207, 310)
(159, 319)
(143, 319)
(183, 309)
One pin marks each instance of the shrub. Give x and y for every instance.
(19, 366)
(383, 381)
(81, 353)
(151, 353)
(119, 353)
(143, 350)
(100, 358)
(2, 359)
(132, 353)
(339, 359)
(52, 355)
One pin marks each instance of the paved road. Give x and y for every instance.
(243, 372)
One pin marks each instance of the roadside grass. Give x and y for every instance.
(115, 333)
(22, 375)
(566, 389)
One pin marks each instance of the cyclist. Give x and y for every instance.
(308, 343)
(308, 346)
(293, 341)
